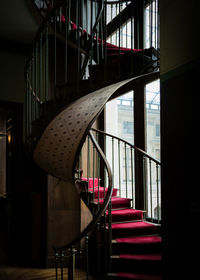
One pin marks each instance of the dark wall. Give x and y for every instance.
(180, 200)
(180, 64)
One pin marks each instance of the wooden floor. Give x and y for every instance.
(18, 273)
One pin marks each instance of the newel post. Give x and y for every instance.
(71, 268)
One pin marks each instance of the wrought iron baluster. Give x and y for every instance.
(97, 33)
(150, 22)
(88, 159)
(150, 185)
(33, 86)
(26, 106)
(55, 53)
(91, 31)
(120, 20)
(67, 17)
(126, 177)
(86, 12)
(60, 18)
(126, 29)
(109, 234)
(46, 64)
(30, 98)
(113, 159)
(61, 264)
(119, 166)
(98, 251)
(87, 255)
(93, 175)
(145, 185)
(40, 71)
(111, 15)
(36, 81)
(157, 185)
(105, 33)
(101, 38)
(56, 262)
(132, 27)
(132, 185)
(78, 39)
(71, 267)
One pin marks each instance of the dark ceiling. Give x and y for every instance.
(17, 21)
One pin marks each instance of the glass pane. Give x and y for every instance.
(153, 148)
(151, 25)
(153, 118)
(119, 117)
(119, 122)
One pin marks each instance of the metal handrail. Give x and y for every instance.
(146, 180)
(127, 143)
(92, 224)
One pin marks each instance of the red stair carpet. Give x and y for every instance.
(136, 244)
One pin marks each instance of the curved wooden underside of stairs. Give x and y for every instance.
(57, 149)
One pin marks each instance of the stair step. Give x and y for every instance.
(91, 181)
(126, 215)
(118, 202)
(139, 240)
(102, 192)
(135, 276)
(141, 244)
(136, 262)
(133, 229)
(128, 63)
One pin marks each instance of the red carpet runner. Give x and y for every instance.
(136, 244)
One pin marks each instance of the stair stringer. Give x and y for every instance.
(57, 149)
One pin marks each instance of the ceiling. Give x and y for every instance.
(17, 21)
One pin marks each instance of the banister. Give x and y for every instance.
(91, 39)
(99, 15)
(117, 1)
(127, 143)
(92, 224)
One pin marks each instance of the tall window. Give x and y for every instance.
(151, 25)
(119, 122)
(123, 36)
(153, 118)
(152, 91)
(119, 117)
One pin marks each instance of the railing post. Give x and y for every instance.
(132, 185)
(139, 134)
(98, 251)
(109, 234)
(126, 177)
(87, 255)
(71, 266)
(151, 191)
(46, 65)
(61, 263)
(157, 185)
(145, 185)
(56, 262)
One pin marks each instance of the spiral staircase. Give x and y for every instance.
(71, 74)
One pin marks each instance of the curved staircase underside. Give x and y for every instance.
(58, 147)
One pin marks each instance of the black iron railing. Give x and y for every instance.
(65, 255)
(76, 36)
(86, 40)
(123, 157)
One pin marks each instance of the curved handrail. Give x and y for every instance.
(127, 143)
(92, 38)
(102, 210)
(116, 2)
(51, 13)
